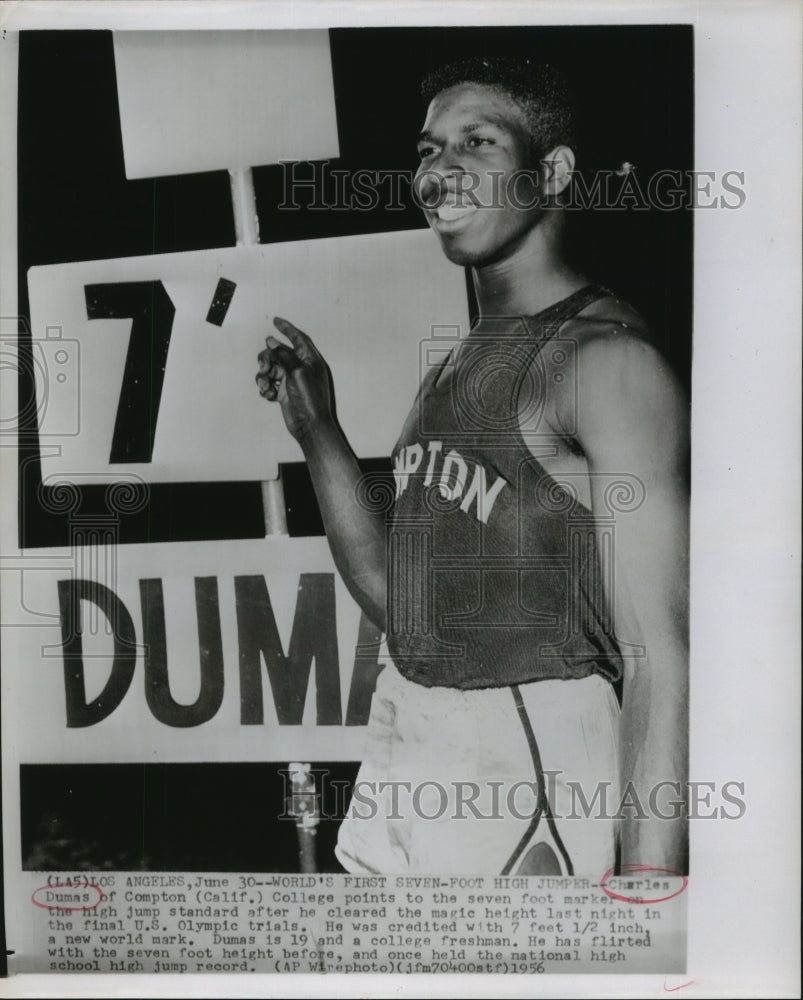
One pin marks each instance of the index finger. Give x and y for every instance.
(303, 344)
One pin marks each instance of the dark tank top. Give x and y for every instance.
(494, 574)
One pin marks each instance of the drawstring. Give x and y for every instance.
(542, 803)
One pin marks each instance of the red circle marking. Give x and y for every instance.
(68, 885)
(641, 870)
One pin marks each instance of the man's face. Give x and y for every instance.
(476, 180)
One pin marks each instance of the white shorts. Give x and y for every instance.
(493, 781)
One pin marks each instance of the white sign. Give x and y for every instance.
(131, 377)
(192, 101)
(216, 651)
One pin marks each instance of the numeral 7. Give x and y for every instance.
(149, 307)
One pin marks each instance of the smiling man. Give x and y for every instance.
(536, 551)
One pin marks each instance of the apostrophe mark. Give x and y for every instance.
(221, 301)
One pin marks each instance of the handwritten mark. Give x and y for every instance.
(68, 902)
(640, 877)
(221, 301)
(674, 989)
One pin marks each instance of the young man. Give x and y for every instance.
(537, 548)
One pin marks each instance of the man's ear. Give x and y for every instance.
(557, 168)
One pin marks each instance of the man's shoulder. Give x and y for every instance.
(610, 333)
(622, 379)
(608, 319)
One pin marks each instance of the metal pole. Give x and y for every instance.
(246, 229)
(305, 807)
(244, 203)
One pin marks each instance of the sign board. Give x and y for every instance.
(221, 651)
(192, 101)
(132, 377)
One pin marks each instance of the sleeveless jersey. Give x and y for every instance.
(494, 573)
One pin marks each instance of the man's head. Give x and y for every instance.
(496, 148)
(540, 91)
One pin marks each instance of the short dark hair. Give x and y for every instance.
(540, 90)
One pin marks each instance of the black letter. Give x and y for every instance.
(314, 635)
(157, 686)
(71, 593)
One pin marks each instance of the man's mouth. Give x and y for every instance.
(451, 217)
(449, 213)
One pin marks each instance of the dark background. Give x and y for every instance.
(170, 817)
(636, 89)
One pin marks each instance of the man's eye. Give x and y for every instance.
(479, 140)
(425, 151)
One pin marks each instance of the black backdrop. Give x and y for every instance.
(636, 87)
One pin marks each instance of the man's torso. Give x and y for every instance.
(494, 571)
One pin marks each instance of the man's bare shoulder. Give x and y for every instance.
(624, 387)
(608, 320)
(611, 336)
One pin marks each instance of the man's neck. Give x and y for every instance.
(532, 278)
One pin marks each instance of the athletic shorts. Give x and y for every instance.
(511, 780)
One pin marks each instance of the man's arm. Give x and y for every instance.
(299, 378)
(633, 419)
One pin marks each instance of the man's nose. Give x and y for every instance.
(440, 178)
(430, 186)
